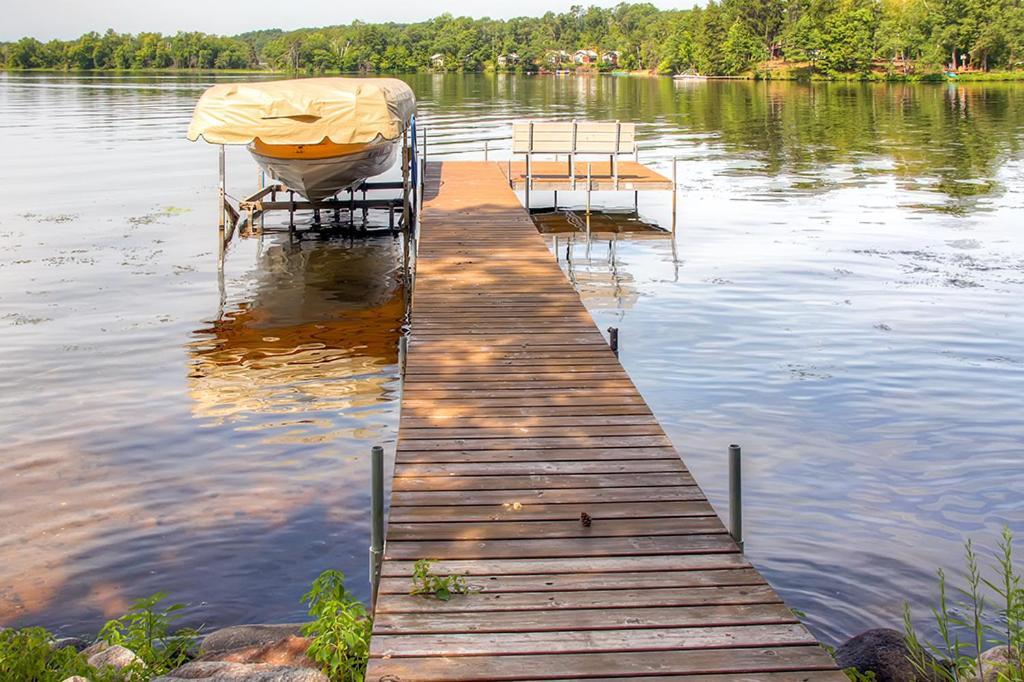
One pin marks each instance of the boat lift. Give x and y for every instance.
(246, 215)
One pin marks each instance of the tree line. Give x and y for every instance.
(726, 37)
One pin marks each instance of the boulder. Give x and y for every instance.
(240, 636)
(993, 661)
(882, 651)
(94, 648)
(116, 657)
(77, 643)
(226, 671)
(290, 651)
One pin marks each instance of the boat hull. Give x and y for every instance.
(320, 171)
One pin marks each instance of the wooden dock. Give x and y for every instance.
(554, 176)
(517, 420)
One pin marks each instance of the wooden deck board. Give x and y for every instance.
(516, 420)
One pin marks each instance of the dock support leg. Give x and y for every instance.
(675, 182)
(555, 200)
(221, 211)
(735, 495)
(613, 339)
(588, 201)
(529, 179)
(291, 213)
(636, 203)
(376, 521)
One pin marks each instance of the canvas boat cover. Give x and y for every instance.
(304, 111)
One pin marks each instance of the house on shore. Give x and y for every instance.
(437, 61)
(510, 59)
(611, 58)
(584, 57)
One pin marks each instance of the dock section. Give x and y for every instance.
(528, 462)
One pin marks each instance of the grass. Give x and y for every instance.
(31, 655)
(966, 625)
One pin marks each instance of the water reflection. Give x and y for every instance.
(320, 320)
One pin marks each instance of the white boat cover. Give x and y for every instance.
(304, 111)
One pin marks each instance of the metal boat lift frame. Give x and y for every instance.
(246, 214)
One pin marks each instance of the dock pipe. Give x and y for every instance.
(377, 520)
(736, 495)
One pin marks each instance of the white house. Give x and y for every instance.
(584, 57)
(437, 60)
(611, 57)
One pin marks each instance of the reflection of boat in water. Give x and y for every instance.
(318, 136)
(318, 335)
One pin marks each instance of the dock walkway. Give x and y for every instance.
(517, 420)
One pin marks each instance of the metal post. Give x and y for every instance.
(613, 339)
(588, 200)
(735, 496)
(220, 213)
(675, 163)
(485, 151)
(376, 520)
(555, 200)
(406, 160)
(291, 212)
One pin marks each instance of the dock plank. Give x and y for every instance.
(528, 462)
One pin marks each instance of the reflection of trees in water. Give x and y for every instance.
(316, 333)
(951, 138)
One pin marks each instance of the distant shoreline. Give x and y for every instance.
(785, 72)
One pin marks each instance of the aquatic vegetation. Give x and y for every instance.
(340, 629)
(965, 628)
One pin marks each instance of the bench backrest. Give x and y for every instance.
(573, 137)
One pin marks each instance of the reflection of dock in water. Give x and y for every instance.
(592, 262)
(319, 332)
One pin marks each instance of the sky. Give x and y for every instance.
(64, 19)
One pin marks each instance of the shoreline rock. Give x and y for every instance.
(882, 651)
(241, 636)
(226, 671)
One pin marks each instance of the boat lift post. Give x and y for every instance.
(221, 212)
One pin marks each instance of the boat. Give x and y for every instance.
(689, 76)
(317, 136)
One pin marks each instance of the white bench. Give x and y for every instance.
(571, 138)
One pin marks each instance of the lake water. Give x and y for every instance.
(842, 297)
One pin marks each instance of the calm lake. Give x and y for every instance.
(843, 297)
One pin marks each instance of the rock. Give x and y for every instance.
(116, 657)
(94, 648)
(290, 651)
(882, 651)
(78, 643)
(239, 636)
(225, 671)
(993, 661)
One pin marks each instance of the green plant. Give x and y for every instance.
(957, 659)
(146, 630)
(29, 655)
(340, 629)
(439, 586)
(857, 676)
